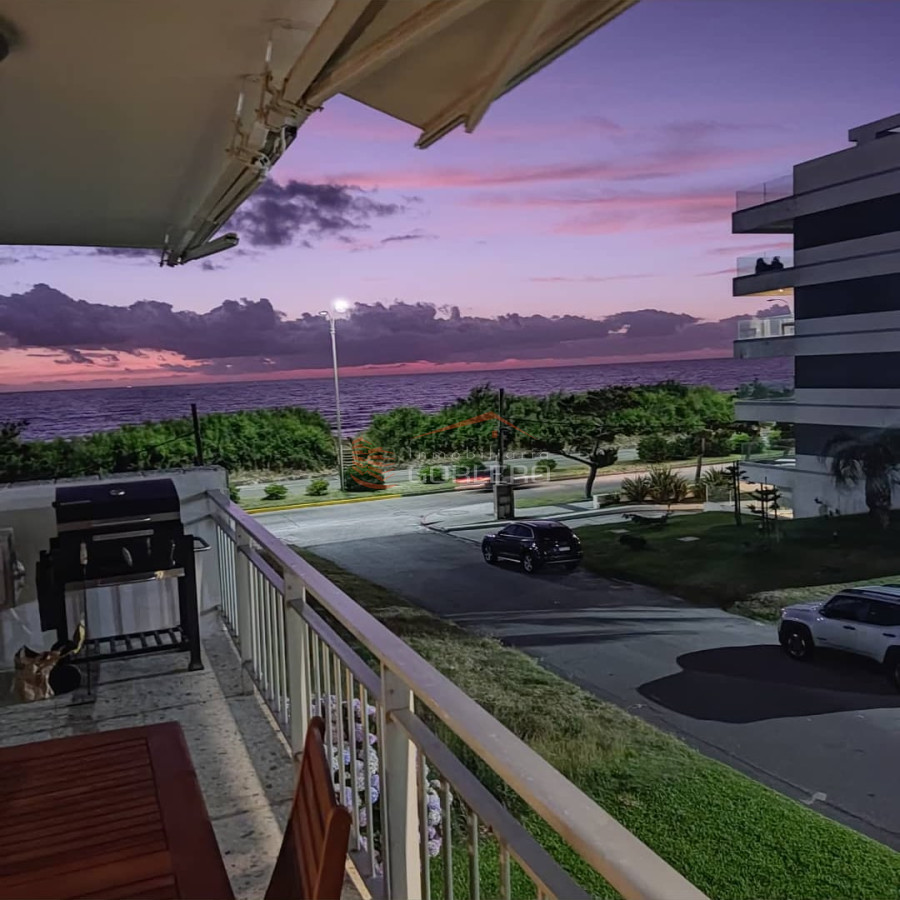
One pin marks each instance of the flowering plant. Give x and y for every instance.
(359, 765)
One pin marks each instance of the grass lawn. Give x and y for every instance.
(731, 564)
(767, 605)
(728, 834)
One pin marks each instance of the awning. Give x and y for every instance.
(145, 123)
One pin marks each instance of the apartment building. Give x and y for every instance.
(835, 227)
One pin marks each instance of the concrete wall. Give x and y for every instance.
(812, 482)
(27, 509)
(864, 160)
(809, 481)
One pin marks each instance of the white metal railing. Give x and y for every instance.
(418, 812)
(765, 327)
(775, 189)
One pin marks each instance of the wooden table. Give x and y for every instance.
(117, 814)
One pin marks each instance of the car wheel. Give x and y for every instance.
(798, 643)
(487, 551)
(530, 562)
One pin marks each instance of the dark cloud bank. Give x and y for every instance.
(252, 336)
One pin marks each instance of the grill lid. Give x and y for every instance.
(108, 500)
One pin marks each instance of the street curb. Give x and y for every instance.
(266, 509)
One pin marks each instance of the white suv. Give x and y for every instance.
(865, 621)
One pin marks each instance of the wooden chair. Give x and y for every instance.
(313, 853)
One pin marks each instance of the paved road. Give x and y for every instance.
(826, 733)
(256, 490)
(409, 515)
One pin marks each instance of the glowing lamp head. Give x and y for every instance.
(340, 305)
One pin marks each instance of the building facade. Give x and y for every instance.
(835, 226)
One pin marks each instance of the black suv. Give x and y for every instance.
(533, 544)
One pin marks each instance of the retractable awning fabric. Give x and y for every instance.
(144, 124)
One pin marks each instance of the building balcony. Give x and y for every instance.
(767, 192)
(769, 272)
(761, 327)
(765, 336)
(280, 643)
(768, 409)
(765, 208)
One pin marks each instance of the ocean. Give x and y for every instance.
(71, 412)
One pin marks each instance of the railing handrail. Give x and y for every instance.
(625, 861)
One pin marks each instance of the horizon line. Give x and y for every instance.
(367, 372)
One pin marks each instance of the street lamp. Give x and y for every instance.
(338, 306)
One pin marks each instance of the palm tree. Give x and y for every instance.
(872, 458)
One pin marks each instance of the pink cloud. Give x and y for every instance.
(611, 213)
(588, 278)
(649, 211)
(672, 159)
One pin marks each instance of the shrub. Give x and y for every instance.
(716, 478)
(431, 474)
(318, 487)
(275, 492)
(666, 486)
(234, 494)
(544, 465)
(683, 447)
(717, 444)
(653, 449)
(363, 476)
(636, 490)
(469, 465)
(738, 441)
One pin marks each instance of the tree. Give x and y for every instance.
(871, 458)
(584, 427)
(11, 449)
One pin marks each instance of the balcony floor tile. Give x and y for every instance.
(243, 764)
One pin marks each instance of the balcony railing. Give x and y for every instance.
(767, 261)
(765, 327)
(775, 189)
(311, 649)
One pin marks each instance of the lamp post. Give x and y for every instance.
(338, 306)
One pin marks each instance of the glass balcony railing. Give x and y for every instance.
(776, 189)
(765, 327)
(768, 261)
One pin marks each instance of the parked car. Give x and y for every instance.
(533, 544)
(864, 621)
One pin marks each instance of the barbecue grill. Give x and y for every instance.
(112, 534)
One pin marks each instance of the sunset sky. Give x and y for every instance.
(602, 186)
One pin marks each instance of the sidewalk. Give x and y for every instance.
(563, 512)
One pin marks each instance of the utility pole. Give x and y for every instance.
(500, 435)
(504, 499)
(337, 405)
(198, 441)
